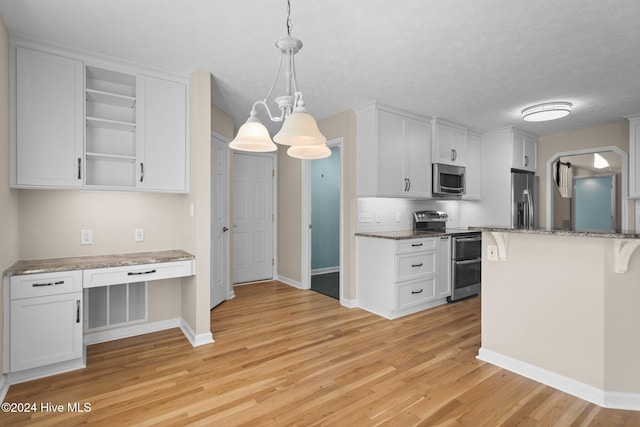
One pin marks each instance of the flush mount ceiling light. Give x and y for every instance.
(299, 129)
(546, 111)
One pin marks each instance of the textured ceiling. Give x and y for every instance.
(475, 62)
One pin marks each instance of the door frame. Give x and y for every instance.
(306, 218)
(274, 211)
(227, 197)
(624, 201)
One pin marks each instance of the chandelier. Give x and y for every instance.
(299, 130)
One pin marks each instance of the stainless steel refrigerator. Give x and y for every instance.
(524, 201)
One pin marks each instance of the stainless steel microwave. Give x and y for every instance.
(448, 180)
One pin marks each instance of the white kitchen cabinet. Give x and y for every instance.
(449, 142)
(46, 319)
(399, 277)
(634, 156)
(393, 153)
(48, 137)
(79, 125)
(162, 135)
(474, 167)
(525, 151)
(497, 159)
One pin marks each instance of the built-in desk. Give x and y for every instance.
(46, 305)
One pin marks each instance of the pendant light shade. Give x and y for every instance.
(253, 136)
(300, 128)
(309, 152)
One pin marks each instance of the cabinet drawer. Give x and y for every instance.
(411, 266)
(137, 273)
(415, 245)
(415, 292)
(43, 284)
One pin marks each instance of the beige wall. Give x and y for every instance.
(344, 125)
(221, 122)
(290, 205)
(289, 216)
(197, 228)
(616, 134)
(9, 246)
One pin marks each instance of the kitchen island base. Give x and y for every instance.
(557, 309)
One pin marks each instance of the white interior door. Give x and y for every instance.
(219, 286)
(252, 218)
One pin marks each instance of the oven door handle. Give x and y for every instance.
(468, 239)
(469, 261)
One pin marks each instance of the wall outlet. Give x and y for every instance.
(86, 237)
(398, 219)
(492, 252)
(378, 217)
(139, 235)
(364, 217)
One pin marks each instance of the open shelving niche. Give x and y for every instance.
(110, 128)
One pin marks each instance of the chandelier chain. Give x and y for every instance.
(289, 24)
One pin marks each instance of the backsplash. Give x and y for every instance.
(390, 214)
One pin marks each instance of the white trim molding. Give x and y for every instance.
(195, 340)
(600, 397)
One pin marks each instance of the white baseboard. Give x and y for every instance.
(349, 303)
(195, 340)
(4, 387)
(45, 371)
(131, 331)
(289, 282)
(325, 270)
(606, 399)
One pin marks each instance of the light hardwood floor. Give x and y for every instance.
(283, 356)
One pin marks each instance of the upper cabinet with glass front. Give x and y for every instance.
(80, 125)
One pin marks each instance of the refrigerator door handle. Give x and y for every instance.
(530, 209)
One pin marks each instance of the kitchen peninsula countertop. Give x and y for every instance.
(552, 232)
(403, 234)
(95, 261)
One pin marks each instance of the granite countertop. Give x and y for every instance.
(552, 232)
(403, 234)
(95, 261)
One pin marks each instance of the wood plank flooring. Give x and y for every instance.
(284, 356)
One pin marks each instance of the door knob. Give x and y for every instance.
(225, 229)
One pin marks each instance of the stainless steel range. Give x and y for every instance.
(466, 253)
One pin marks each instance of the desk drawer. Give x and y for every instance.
(44, 284)
(137, 273)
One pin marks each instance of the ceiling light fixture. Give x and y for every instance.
(546, 111)
(299, 129)
(599, 162)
